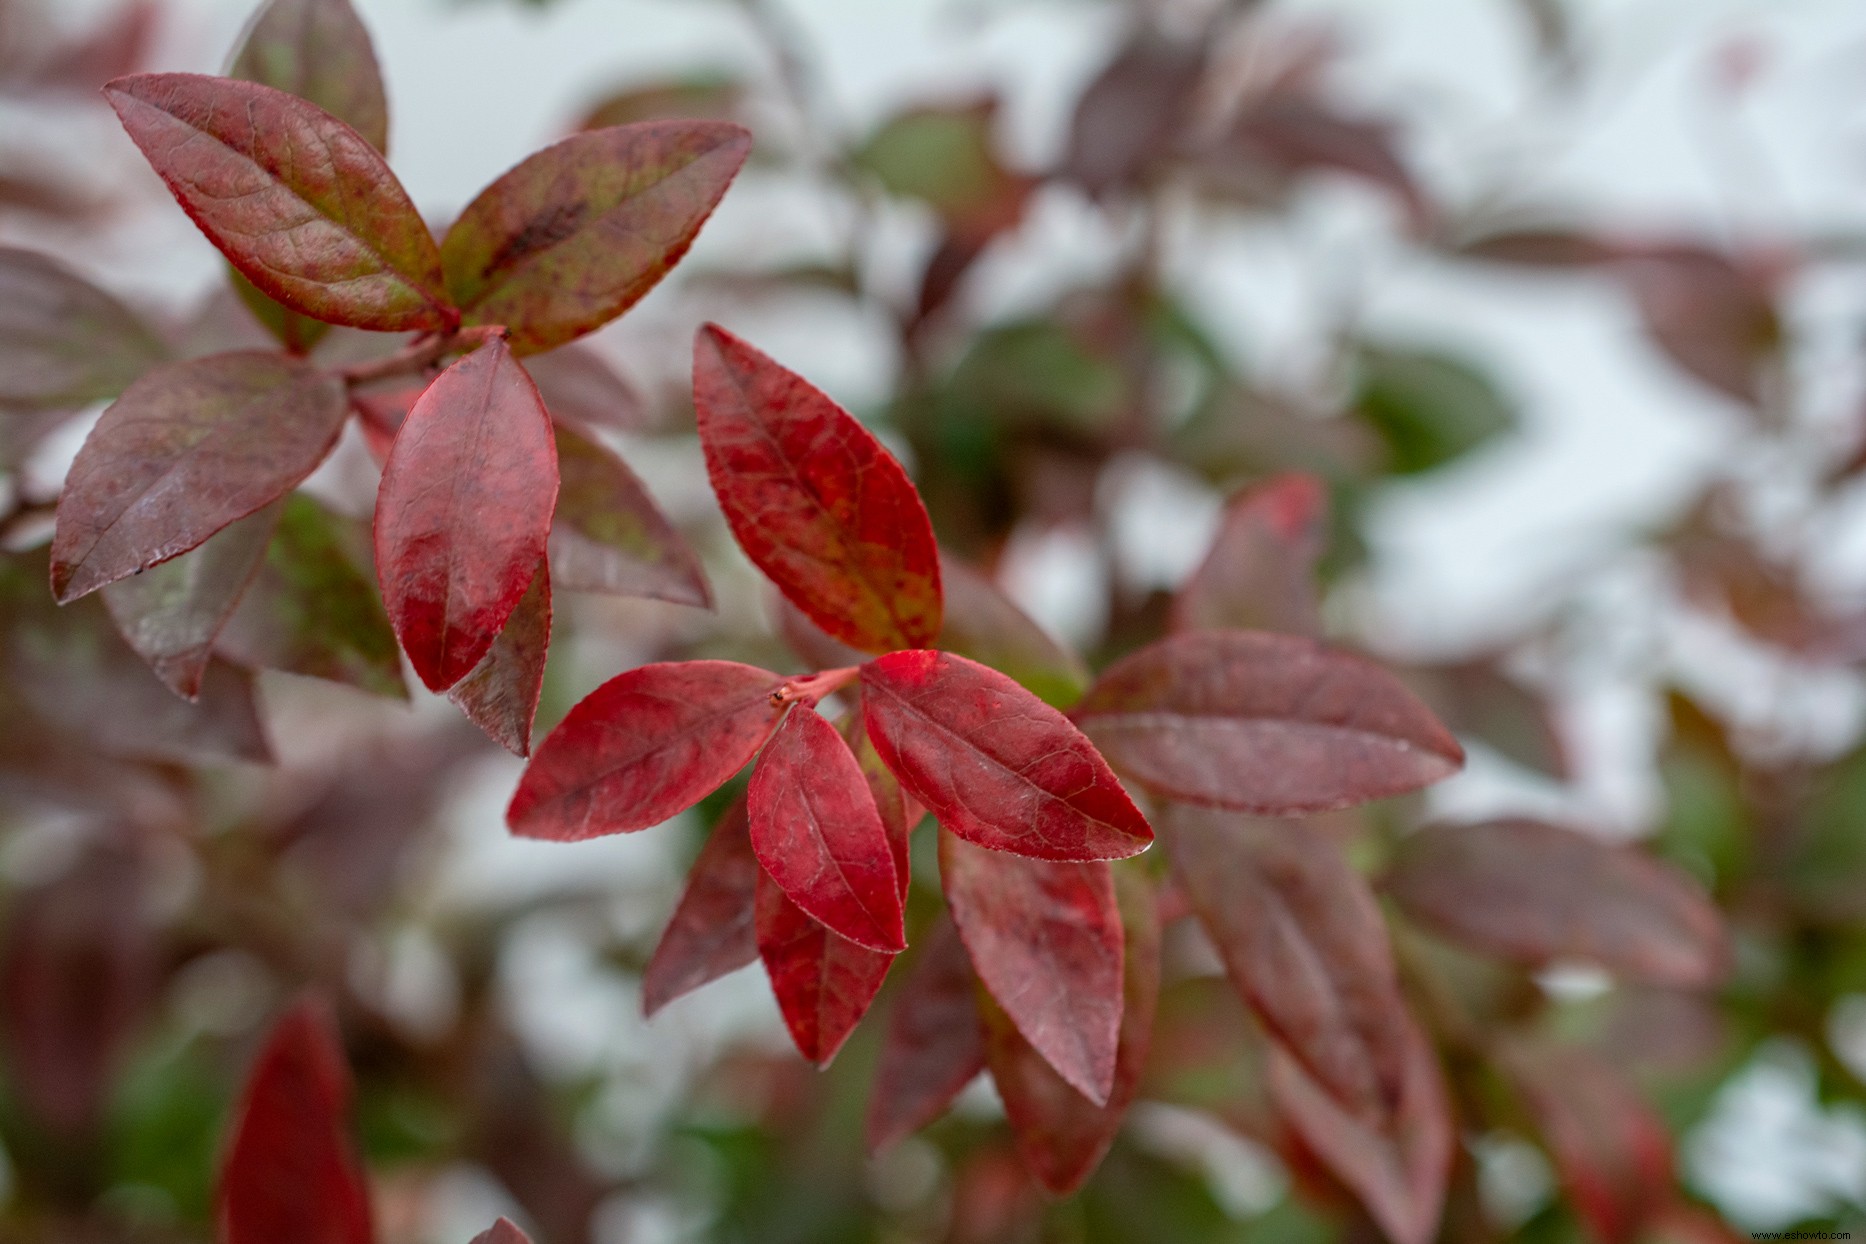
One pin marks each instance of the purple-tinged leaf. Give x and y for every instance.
(713, 928)
(502, 1232)
(824, 982)
(995, 764)
(1131, 115)
(573, 236)
(1713, 315)
(319, 51)
(581, 388)
(1045, 938)
(500, 696)
(815, 500)
(609, 536)
(935, 1044)
(1260, 572)
(644, 746)
(188, 449)
(64, 343)
(300, 202)
(1264, 723)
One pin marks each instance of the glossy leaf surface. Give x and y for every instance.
(935, 1043)
(1538, 893)
(188, 449)
(816, 830)
(1260, 572)
(63, 341)
(464, 512)
(713, 929)
(300, 202)
(1264, 723)
(573, 236)
(1045, 938)
(815, 500)
(319, 51)
(500, 695)
(608, 535)
(995, 764)
(824, 982)
(644, 746)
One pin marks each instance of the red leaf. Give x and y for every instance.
(1712, 315)
(319, 51)
(712, 929)
(985, 625)
(995, 764)
(935, 1043)
(1264, 723)
(1130, 116)
(581, 388)
(574, 236)
(609, 536)
(644, 746)
(172, 613)
(502, 1232)
(290, 1175)
(464, 512)
(824, 982)
(1398, 1171)
(1304, 943)
(899, 814)
(817, 832)
(1537, 893)
(300, 202)
(63, 341)
(1061, 1135)
(814, 499)
(188, 449)
(500, 696)
(1045, 939)
(1260, 572)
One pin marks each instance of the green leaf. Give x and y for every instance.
(1430, 408)
(319, 51)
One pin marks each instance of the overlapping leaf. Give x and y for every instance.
(300, 203)
(815, 500)
(935, 1043)
(712, 931)
(1264, 723)
(573, 236)
(1260, 572)
(63, 341)
(823, 981)
(581, 388)
(609, 536)
(995, 764)
(319, 51)
(500, 695)
(987, 626)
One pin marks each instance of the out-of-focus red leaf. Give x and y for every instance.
(643, 746)
(78, 967)
(824, 982)
(1611, 1149)
(579, 387)
(312, 609)
(985, 625)
(815, 500)
(609, 536)
(381, 415)
(702, 97)
(188, 449)
(1542, 248)
(291, 1175)
(935, 1043)
(1477, 699)
(995, 764)
(1132, 114)
(500, 695)
(1296, 132)
(1264, 723)
(1398, 1170)
(817, 832)
(1061, 1135)
(1303, 941)
(1537, 893)
(300, 202)
(319, 51)
(573, 236)
(899, 813)
(464, 512)
(502, 1232)
(1714, 317)
(64, 342)
(1045, 938)
(172, 613)
(712, 929)
(1260, 572)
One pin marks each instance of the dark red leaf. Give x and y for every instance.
(644, 746)
(824, 982)
(815, 500)
(500, 696)
(1476, 699)
(1543, 248)
(995, 764)
(319, 51)
(1294, 132)
(1264, 723)
(1398, 1171)
(1714, 317)
(1538, 893)
(1045, 938)
(300, 202)
(464, 512)
(935, 1043)
(188, 449)
(703, 96)
(502, 1232)
(712, 931)
(290, 1174)
(172, 613)
(1061, 1135)
(899, 813)
(985, 625)
(581, 388)
(1130, 116)
(1260, 572)
(574, 236)
(63, 341)
(817, 832)
(381, 415)
(609, 536)
(1303, 941)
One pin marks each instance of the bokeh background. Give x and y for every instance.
(1564, 299)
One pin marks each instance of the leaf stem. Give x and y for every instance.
(813, 687)
(421, 353)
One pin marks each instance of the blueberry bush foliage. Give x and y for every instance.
(1174, 893)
